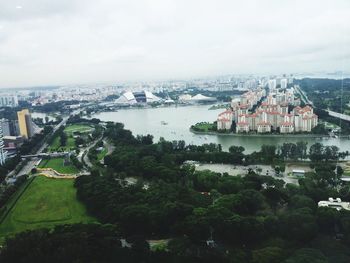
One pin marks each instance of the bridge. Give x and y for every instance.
(43, 155)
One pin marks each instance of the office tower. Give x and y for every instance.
(2, 151)
(25, 123)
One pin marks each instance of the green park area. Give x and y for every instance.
(46, 202)
(59, 165)
(70, 131)
(204, 127)
(82, 128)
(102, 154)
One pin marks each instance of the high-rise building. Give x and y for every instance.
(5, 126)
(272, 84)
(284, 83)
(9, 127)
(8, 101)
(2, 151)
(25, 123)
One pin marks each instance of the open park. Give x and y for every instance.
(59, 165)
(44, 203)
(71, 131)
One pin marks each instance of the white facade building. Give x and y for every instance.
(224, 121)
(272, 84)
(284, 83)
(2, 151)
(271, 115)
(8, 101)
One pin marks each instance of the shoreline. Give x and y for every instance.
(267, 135)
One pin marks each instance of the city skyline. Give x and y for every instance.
(71, 42)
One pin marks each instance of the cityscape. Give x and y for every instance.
(174, 131)
(271, 114)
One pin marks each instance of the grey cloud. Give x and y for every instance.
(72, 41)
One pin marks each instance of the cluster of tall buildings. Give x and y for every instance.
(13, 132)
(257, 112)
(8, 101)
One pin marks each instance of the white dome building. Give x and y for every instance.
(131, 98)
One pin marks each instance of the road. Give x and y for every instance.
(331, 113)
(84, 154)
(339, 115)
(31, 163)
(303, 96)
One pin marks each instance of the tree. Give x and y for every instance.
(236, 149)
(316, 152)
(307, 255)
(302, 201)
(301, 149)
(63, 139)
(274, 196)
(268, 255)
(268, 152)
(135, 220)
(299, 225)
(248, 201)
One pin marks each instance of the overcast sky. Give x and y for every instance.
(45, 42)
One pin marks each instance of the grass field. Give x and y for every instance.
(77, 128)
(101, 154)
(205, 126)
(57, 164)
(69, 130)
(56, 145)
(45, 203)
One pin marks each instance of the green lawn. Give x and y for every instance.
(101, 154)
(56, 145)
(204, 126)
(57, 164)
(45, 203)
(69, 130)
(77, 128)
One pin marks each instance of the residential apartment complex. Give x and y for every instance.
(8, 101)
(256, 112)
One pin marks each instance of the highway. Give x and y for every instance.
(331, 113)
(339, 115)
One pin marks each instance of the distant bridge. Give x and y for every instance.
(43, 155)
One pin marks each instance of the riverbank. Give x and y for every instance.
(289, 135)
(180, 119)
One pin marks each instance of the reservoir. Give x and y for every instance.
(173, 123)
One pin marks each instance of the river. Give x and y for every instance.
(148, 121)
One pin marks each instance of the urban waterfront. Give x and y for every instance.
(179, 119)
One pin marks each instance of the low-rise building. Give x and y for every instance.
(335, 203)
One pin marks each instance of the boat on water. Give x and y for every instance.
(163, 123)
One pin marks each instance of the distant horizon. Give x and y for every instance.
(323, 75)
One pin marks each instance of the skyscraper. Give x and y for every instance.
(284, 83)
(272, 84)
(2, 152)
(25, 123)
